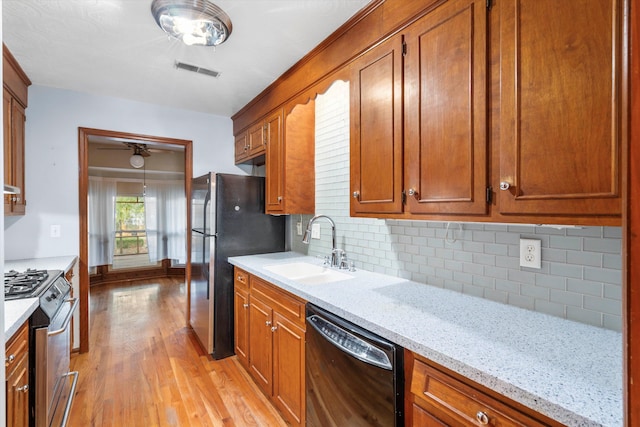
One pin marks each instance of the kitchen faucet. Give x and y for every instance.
(338, 256)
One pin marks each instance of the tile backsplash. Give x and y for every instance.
(580, 278)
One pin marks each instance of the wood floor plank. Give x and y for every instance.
(145, 367)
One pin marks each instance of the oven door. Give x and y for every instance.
(55, 386)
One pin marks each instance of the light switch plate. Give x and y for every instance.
(530, 253)
(315, 231)
(55, 231)
(299, 228)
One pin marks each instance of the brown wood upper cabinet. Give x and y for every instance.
(14, 95)
(290, 171)
(376, 130)
(439, 63)
(445, 105)
(250, 145)
(561, 110)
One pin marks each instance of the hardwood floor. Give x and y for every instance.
(146, 369)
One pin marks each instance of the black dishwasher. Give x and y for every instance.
(353, 377)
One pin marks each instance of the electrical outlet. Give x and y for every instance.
(315, 231)
(530, 253)
(55, 231)
(299, 228)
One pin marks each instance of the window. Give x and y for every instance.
(131, 236)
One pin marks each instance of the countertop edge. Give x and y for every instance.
(16, 312)
(62, 262)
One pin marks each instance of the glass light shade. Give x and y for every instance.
(137, 161)
(195, 22)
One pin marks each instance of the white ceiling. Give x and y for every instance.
(114, 48)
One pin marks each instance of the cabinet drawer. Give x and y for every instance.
(241, 279)
(17, 346)
(456, 403)
(286, 304)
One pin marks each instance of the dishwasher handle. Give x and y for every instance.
(349, 343)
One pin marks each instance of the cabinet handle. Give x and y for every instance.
(482, 418)
(504, 185)
(246, 147)
(245, 305)
(274, 328)
(24, 388)
(10, 359)
(268, 323)
(279, 199)
(412, 192)
(356, 195)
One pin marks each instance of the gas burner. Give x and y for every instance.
(25, 284)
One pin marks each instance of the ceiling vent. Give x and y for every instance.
(196, 69)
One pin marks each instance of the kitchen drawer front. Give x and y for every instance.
(456, 403)
(241, 279)
(16, 347)
(283, 302)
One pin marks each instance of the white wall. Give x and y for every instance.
(51, 153)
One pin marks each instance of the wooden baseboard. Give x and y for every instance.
(105, 275)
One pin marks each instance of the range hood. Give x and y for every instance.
(10, 189)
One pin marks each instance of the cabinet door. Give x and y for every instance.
(275, 165)
(376, 130)
(561, 107)
(17, 388)
(288, 362)
(242, 147)
(260, 343)
(8, 167)
(18, 118)
(257, 139)
(422, 418)
(241, 325)
(445, 110)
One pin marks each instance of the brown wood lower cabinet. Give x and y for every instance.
(434, 397)
(269, 341)
(16, 365)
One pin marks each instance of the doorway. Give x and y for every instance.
(128, 145)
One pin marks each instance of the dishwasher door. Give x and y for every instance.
(353, 377)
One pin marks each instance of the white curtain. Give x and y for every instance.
(165, 210)
(102, 224)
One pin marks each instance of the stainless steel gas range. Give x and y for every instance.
(51, 385)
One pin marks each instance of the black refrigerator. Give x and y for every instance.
(227, 220)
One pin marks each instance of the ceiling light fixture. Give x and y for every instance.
(136, 160)
(195, 22)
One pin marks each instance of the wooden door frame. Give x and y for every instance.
(631, 230)
(83, 170)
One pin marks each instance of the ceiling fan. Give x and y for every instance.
(140, 151)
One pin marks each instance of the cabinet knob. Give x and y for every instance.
(504, 185)
(274, 328)
(279, 199)
(356, 194)
(268, 323)
(10, 359)
(482, 418)
(240, 279)
(245, 305)
(24, 388)
(412, 192)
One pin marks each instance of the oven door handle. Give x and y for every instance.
(67, 319)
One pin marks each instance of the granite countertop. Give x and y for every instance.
(566, 370)
(16, 312)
